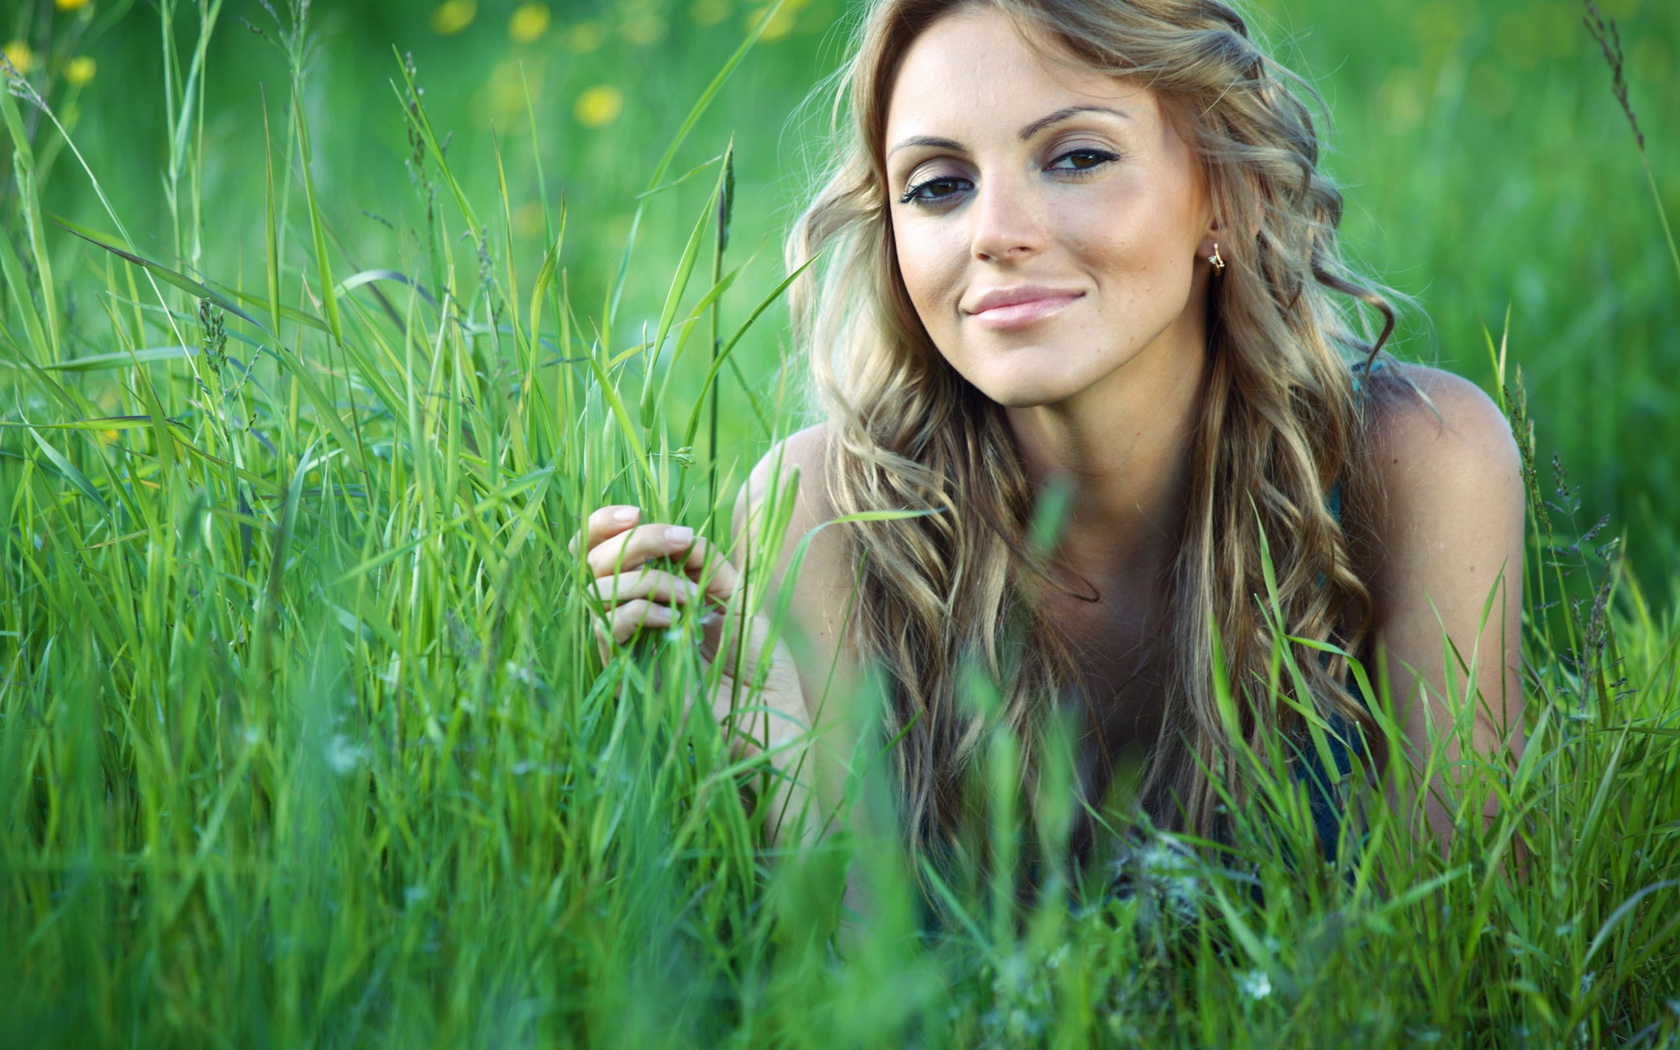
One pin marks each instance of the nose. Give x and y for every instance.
(1005, 223)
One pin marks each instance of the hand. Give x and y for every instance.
(636, 593)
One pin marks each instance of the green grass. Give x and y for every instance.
(303, 735)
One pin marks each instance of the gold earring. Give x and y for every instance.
(1218, 263)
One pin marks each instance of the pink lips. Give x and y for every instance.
(1019, 306)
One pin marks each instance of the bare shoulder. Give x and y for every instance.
(1445, 572)
(1437, 436)
(794, 467)
(785, 506)
(1448, 516)
(804, 450)
(789, 485)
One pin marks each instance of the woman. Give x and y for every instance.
(1085, 243)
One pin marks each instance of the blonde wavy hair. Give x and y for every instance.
(1279, 438)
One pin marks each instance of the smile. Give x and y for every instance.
(1009, 308)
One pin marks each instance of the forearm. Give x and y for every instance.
(774, 755)
(778, 789)
(1459, 764)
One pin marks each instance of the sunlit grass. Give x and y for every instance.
(304, 738)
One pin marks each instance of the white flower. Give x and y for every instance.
(344, 755)
(1160, 873)
(520, 673)
(1255, 985)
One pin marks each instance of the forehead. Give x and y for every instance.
(976, 65)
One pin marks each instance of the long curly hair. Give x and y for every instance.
(1278, 440)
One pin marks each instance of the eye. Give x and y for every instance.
(1082, 160)
(934, 190)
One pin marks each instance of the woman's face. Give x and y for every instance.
(1048, 218)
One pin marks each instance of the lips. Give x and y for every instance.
(1019, 306)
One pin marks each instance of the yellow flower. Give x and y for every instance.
(452, 16)
(599, 106)
(585, 37)
(71, 5)
(529, 22)
(19, 55)
(81, 69)
(781, 23)
(644, 29)
(504, 98)
(709, 12)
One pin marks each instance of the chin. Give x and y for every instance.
(1019, 398)
(1024, 389)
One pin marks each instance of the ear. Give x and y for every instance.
(1213, 236)
(1246, 198)
(1217, 233)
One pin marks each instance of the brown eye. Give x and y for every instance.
(1082, 160)
(935, 190)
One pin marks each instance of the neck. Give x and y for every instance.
(1126, 452)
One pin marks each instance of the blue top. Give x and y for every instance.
(1327, 794)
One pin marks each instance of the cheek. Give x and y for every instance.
(931, 265)
(1147, 257)
(1121, 232)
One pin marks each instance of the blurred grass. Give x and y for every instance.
(305, 740)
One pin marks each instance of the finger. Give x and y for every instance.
(633, 616)
(655, 584)
(631, 548)
(604, 523)
(704, 562)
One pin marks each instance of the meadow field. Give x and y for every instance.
(323, 325)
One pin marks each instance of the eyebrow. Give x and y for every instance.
(933, 142)
(1062, 114)
(929, 141)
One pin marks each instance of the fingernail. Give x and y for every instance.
(625, 514)
(679, 535)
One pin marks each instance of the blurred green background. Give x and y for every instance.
(1488, 169)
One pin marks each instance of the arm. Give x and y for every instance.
(816, 632)
(1445, 551)
(820, 638)
(766, 699)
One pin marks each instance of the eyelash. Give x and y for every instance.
(1102, 157)
(913, 195)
